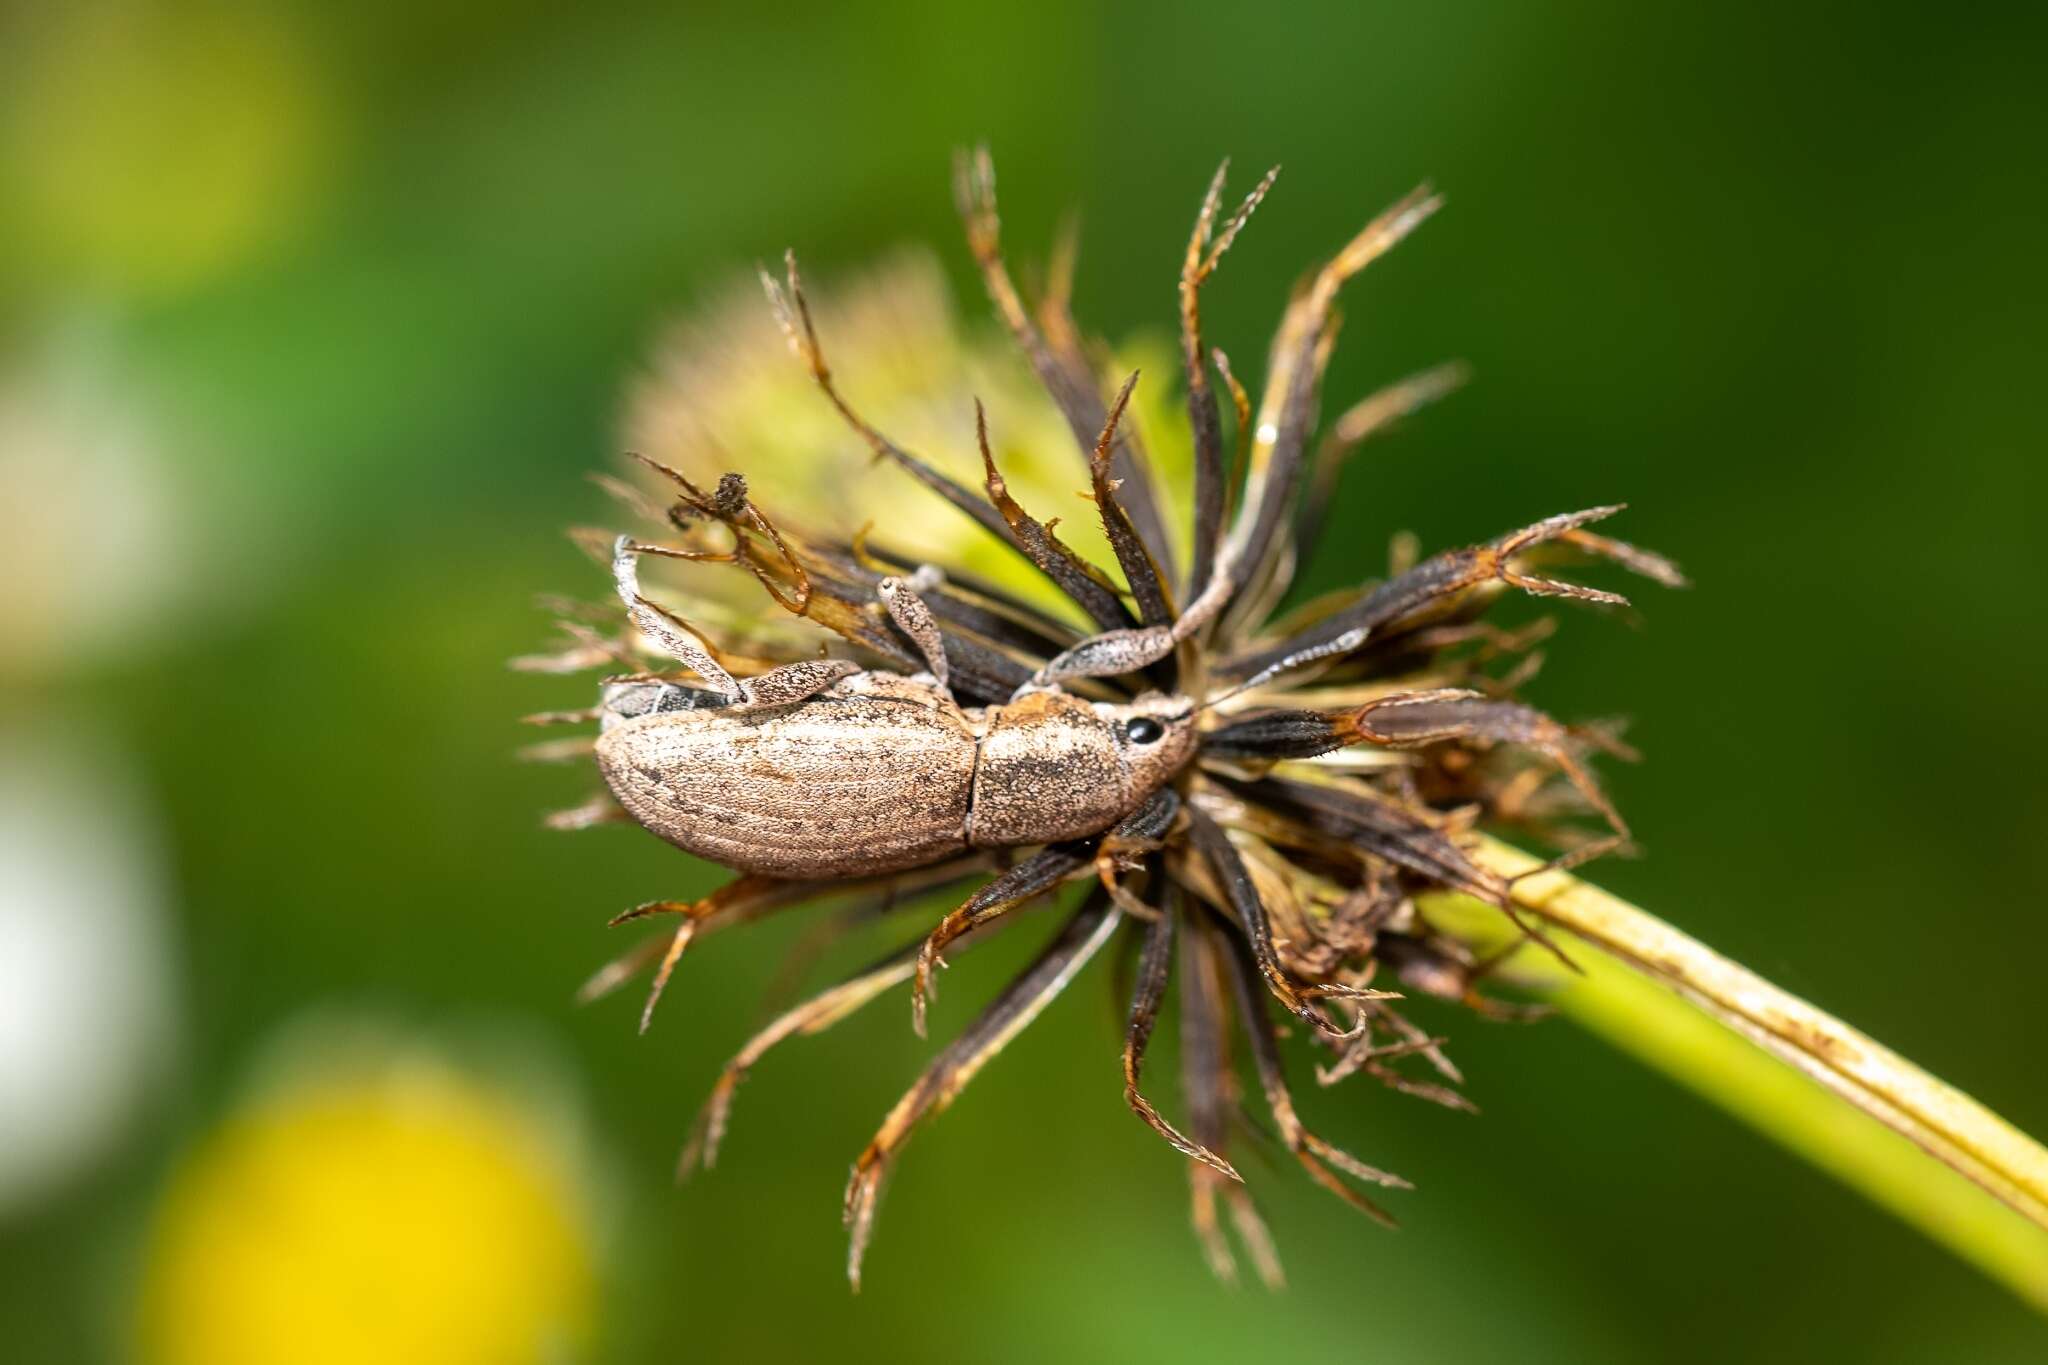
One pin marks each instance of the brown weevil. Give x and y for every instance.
(1261, 792)
(822, 769)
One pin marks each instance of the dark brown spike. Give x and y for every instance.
(1062, 369)
(744, 894)
(1204, 421)
(1208, 1085)
(1141, 571)
(1130, 460)
(843, 599)
(1281, 734)
(782, 576)
(962, 601)
(1241, 897)
(1415, 719)
(1154, 966)
(1379, 827)
(1410, 1040)
(814, 1015)
(1035, 876)
(589, 650)
(1646, 563)
(814, 595)
(793, 313)
(1287, 409)
(1316, 1156)
(1508, 546)
(1238, 218)
(1362, 421)
(1241, 439)
(1396, 834)
(729, 503)
(807, 1018)
(1080, 580)
(748, 899)
(1008, 1014)
(622, 969)
(597, 809)
(581, 716)
(1430, 591)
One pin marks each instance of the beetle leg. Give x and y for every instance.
(1104, 656)
(1138, 833)
(1128, 650)
(1033, 877)
(914, 618)
(1038, 874)
(1005, 1016)
(662, 627)
(792, 683)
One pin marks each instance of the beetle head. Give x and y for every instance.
(1155, 734)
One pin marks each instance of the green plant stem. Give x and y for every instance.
(1828, 1092)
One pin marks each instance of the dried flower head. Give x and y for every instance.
(1343, 753)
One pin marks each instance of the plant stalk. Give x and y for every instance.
(1847, 1103)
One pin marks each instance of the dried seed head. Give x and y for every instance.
(1282, 786)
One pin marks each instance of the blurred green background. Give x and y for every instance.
(313, 318)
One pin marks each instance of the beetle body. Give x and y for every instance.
(877, 773)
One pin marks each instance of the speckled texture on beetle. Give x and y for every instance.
(1262, 792)
(878, 773)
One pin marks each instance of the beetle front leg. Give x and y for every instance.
(1126, 651)
(1031, 878)
(1040, 873)
(1104, 656)
(661, 627)
(1124, 847)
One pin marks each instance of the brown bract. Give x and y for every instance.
(1258, 796)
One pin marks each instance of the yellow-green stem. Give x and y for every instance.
(1828, 1092)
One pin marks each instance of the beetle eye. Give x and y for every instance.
(1144, 730)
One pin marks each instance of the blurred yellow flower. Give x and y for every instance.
(397, 1213)
(725, 393)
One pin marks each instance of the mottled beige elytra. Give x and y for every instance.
(878, 773)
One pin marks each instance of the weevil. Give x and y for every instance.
(823, 769)
(1226, 810)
